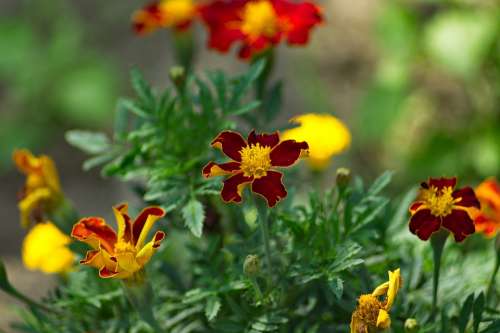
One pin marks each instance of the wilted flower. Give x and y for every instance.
(41, 193)
(253, 163)
(487, 220)
(176, 14)
(326, 135)
(371, 314)
(45, 248)
(259, 24)
(440, 204)
(123, 254)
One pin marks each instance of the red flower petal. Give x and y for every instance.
(423, 224)
(106, 273)
(468, 197)
(287, 152)
(231, 143)
(270, 187)
(300, 18)
(147, 19)
(142, 218)
(233, 187)
(158, 238)
(440, 183)
(264, 139)
(213, 169)
(95, 231)
(89, 256)
(415, 206)
(459, 223)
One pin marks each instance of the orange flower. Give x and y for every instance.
(440, 204)
(123, 254)
(42, 191)
(254, 161)
(259, 24)
(487, 220)
(176, 14)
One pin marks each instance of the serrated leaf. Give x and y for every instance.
(89, 142)
(212, 308)
(380, 183)
(194, 215)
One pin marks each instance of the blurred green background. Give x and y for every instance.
(416, 81)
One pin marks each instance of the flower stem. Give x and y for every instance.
(264, 227)
(438, 240)
(491, 285)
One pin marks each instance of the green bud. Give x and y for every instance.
(343, 177)
(178, 76)
(411, 325)
(251, 266)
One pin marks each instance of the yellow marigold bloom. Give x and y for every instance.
(45, 248)
(119, 255)
(326, 135)
(372, 314)
(41, 192)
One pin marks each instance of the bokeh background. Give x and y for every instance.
(416, 81)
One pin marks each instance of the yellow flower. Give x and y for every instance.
(326, 135)
(120, 255)
(45, 249)
(41, 192)
(371, 314)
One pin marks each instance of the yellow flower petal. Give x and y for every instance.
(394, 284)
(383, 319)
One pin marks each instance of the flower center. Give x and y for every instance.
(255, 160)
(259, 19)
(177, 11)
(124, 247)
(440, 202)
(368, 309)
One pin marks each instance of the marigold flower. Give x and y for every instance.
(42, 191)
(176, 14)
(440, 204)
(123, 254)
(258, 24)
(45, 248)
(371, 314)
(326, 135)
(487, 220)
(253, 163)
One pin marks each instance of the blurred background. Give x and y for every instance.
(416, 81)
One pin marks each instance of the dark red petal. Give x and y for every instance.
(270, 187)
(440, 183)
(231, 143)
(89, 256)
(269, 140)
(233, 187)
(147, 19)
(142, 218)
(92, 229)
(468, 197)
(423, 224)
(158, 238)
(459, 223)
(106, 273)
(213, 169)
(416, 205)
(287, 152)
(123, 209)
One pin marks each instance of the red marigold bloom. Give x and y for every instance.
(487, 220)
(440, 204)
(253, 162)
(119, 255)
(177, 14)
(259, 24)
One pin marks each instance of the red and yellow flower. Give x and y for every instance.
(42, 192)
(176, 14)
(439, 204)
(259, 24)
(487, 219)
(254, 161)
(119, 255)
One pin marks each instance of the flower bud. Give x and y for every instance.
(251, 266)
(178, 76)
(343, 177)
(411, 325)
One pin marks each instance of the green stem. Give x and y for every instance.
(256, 288)
(262, 210)
(491, 285)
(438, 241)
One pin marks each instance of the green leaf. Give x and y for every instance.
(380, 183)
(465, 312)
(477, 311)
(89, 142)
(246, 108)
(336, 286)
(4, 280)
(212, 308)
(134, 108)
(141, 87)
(494, 327)
(194, 214)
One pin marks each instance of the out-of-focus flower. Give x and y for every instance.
(45, 248)
(41, 193)
(253, 162)
(176, 14)
(123, 254)
(411, 325)
(259, 24)
(487, 219)
(326, 135)
(440, 204)
(371, 314)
